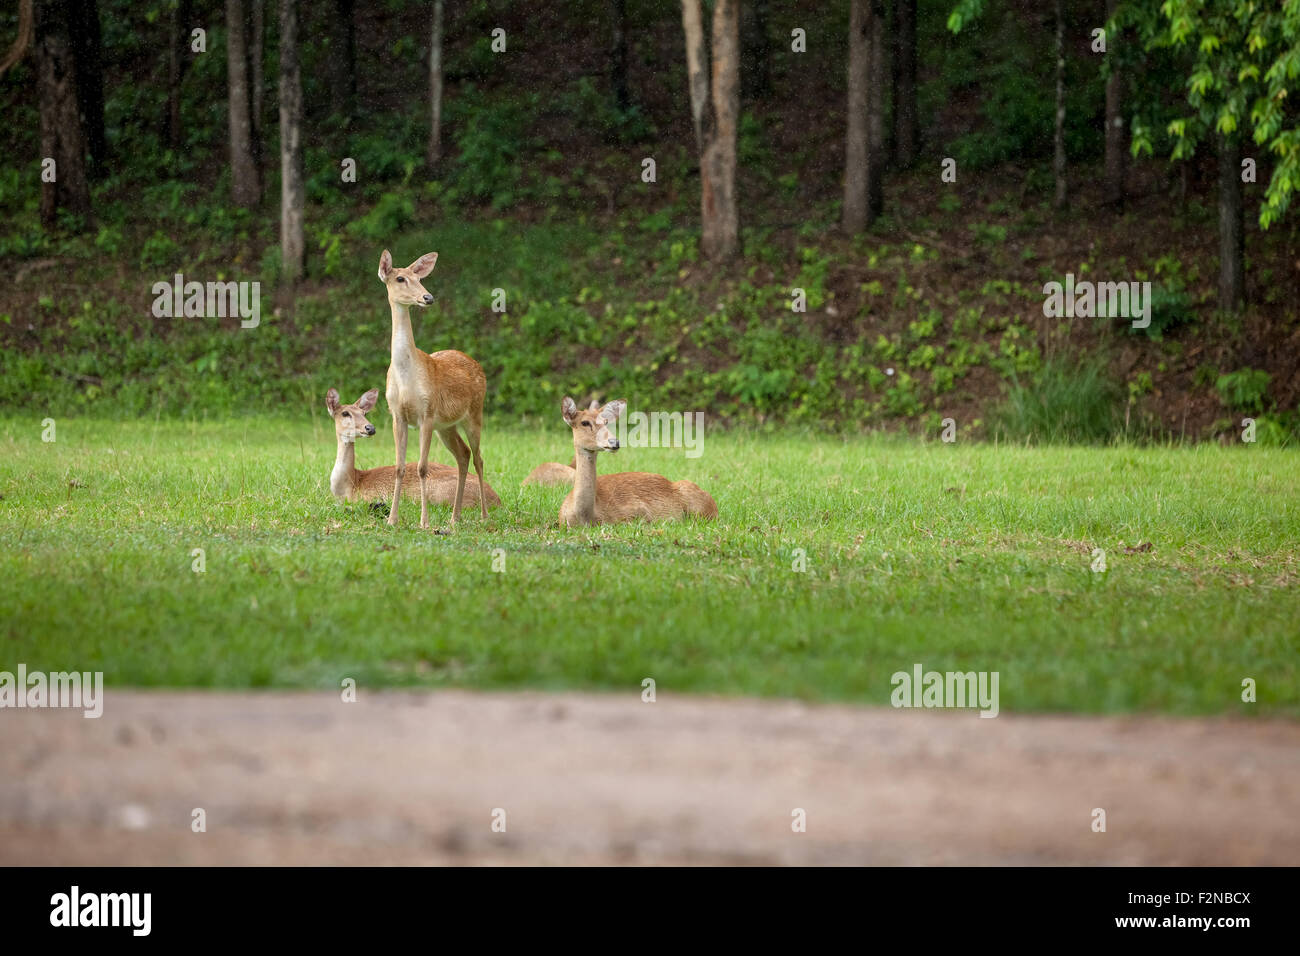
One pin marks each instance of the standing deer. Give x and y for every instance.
(378, 484)
(622, 497)
(436, 393)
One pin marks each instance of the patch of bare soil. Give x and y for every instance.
(415, 778)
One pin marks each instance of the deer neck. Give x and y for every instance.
(403, 338)
(344, 475)
(584, 485)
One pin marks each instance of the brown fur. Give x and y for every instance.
(377, 484)
(609, 499)
(437, 393)
(552, 473)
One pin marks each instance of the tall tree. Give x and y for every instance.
(715, 110)
(435, 87)
(343, 59)
(256, 59)
(906, 135)
(876, 113)
(246, 181)
(864, 139)
(63, 138)
(88, 51)
(1242, 63)
(178, 63)
(1058, 137)
(618, 54)
(293, 194)
(1232, 226)
(1115, 160)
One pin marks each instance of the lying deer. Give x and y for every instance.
(437, 393)
(552, 472)
(378, 484)
(622, 497)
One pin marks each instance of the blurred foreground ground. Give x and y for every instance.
(414, 778)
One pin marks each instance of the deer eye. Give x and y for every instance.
(347, 414)
(401, 278)
(586, 424)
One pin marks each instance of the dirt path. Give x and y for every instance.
(414, 778)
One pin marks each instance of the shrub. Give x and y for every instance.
(158, 252)
(391, 213)
(1244, 390)
(1063, 404)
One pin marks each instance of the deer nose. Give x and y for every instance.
(427, 298)
(613, 444)
(370, 429)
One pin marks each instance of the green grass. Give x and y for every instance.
(965, 556)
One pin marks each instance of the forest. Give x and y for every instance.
(842, 216)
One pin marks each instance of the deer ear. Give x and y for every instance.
(424, 265)
(332, 401)
(385, 266)
(367, 401)
(569, 409)
(610, 413)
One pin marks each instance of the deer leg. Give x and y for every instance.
(461, 453)
(426, 436)
(473, 429)
(399, 439)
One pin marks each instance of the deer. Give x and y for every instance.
(378, 484)
(552, 472)
(436, 393)
(609, 499)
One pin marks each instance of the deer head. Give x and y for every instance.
(404, 286)
(591, 426)
(350, 420)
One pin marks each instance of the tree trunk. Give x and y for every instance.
(1058, 140)
(715, 120)
(618, 54)
(1114, 124)
(906, 134)
(343, 58)
(246, 186)
(1232, 231)
(256, 58)
(62, 137)
(178, 64)
(758, 51)
(87, 50)
(876, 114)
(697, 73)
(435, 87)
(857, 138)
(292, 192)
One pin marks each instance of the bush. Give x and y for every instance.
(490, 144)
(1244, 390)
(1064, 404)
(158, 252)
(391, 213)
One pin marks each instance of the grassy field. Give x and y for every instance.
(963, 556)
